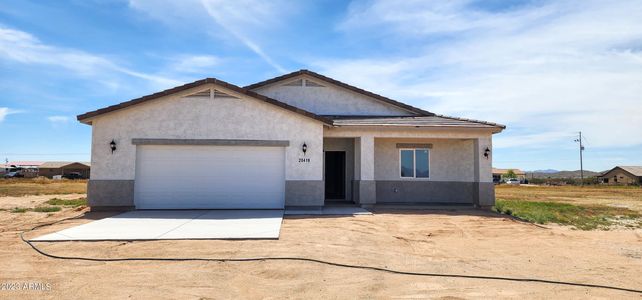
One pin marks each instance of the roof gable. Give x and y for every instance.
(86, 116)
(632, 170)
(292, 79)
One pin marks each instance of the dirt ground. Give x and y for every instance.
(618, 196)
(457, 242)
(33, 200)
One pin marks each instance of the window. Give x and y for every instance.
(414, 163)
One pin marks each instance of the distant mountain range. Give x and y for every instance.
(544, 171)
(559, 174)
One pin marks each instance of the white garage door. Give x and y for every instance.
(209, 177)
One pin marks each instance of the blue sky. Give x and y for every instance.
(546, 69)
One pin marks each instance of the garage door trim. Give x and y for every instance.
(211, 142)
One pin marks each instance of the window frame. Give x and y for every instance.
(414, 163)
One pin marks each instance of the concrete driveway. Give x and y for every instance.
(175, 225)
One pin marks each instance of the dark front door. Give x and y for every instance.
(335, 175)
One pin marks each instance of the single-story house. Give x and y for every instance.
(499, 174)
(301, 139)
(622, 175)
(52, 168)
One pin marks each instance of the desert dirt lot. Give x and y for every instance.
(41, 186)
(616, 196)
(466, 242)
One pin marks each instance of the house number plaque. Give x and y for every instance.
(304, 149)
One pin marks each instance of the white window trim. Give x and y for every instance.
(414, 164)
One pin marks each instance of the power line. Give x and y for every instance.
(586, 140)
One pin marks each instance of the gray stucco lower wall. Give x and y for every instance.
(485, 194)
(405, 191)
(118, 194)
(304, 192)
(364, 192)
(114, 194)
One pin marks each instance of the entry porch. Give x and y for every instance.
(368, 166)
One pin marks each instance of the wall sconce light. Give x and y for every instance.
(304, 148)
(112, 146)
(487, 152)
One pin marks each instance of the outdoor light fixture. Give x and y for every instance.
(112, 146)
(487, 152)
(304, 148)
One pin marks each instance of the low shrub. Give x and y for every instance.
(47, 209)
(69, 202)
(19, 210)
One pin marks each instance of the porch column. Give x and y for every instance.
(483, 188)
(364, 188)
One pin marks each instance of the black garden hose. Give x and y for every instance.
(313, 260)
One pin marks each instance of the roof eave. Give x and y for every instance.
(495, 129)
(86, 117)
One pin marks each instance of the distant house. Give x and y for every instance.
(622, 175)
(52, 168)
(499, 174)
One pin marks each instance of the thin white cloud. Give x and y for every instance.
(22, 47)
(194, 63)
(240, 19)
(228, 13)
(58, 119)
(5, 111)
(546, 69)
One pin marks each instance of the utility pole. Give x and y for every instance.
(579, 140)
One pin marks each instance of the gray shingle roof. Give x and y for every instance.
(405, 121)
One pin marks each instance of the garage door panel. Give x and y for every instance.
(183, 177)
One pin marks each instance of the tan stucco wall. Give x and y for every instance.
(203, 118)
(328, 100)
(452, 157)
(450, 160)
